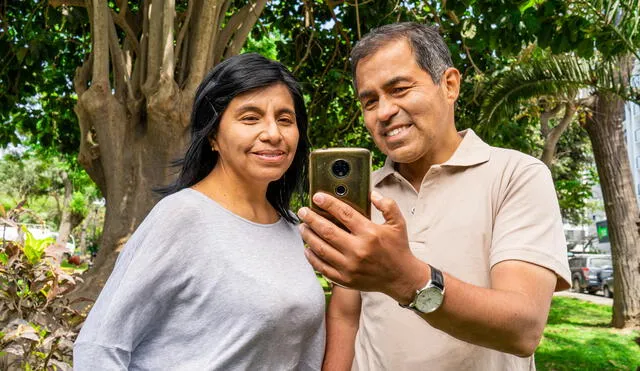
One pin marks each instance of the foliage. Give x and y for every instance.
(575, 157)
(551, 75)
(36, 180)
(38, 325)
(41, 48)
(579, 336)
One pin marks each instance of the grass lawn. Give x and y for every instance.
(578, 336)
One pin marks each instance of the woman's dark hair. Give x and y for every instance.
(224, 82)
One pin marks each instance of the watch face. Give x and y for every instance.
(429, 300)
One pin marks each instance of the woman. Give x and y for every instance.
(215, 277)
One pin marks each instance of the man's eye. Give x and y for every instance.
(399, 90)
(370, 104)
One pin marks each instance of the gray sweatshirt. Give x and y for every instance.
(199, 288)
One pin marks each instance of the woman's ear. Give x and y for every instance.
(214, 145)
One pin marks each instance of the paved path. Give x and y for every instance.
(597, 298)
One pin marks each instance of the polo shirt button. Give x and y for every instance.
(413, 210)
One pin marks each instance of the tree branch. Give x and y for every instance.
(81, 78)
(200, 39)
(337, 24)
(241, 35)
(120, 20)
(100, 34)
(309, 23)
(545, 116)
(168, 61)
(121, 73)
(58, 3)
(217, 47)
(551, 141)
(154, 49)
(230, 28)
(183, 30)
(140, 67)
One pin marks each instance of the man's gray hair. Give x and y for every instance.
(429, 49)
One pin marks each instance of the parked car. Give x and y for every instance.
(587, 271)
(607, 282)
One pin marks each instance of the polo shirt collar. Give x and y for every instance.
(471, 151)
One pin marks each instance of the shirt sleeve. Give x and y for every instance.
(528, 224)
(145, 283)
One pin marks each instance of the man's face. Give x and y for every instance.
(408, 115)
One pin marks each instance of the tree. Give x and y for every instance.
(134, 94)
(607, 77)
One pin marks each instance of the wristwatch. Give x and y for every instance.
(430, 297)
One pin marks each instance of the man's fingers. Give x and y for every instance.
(325, 269)
(326, 230)
(389, 209)
(346, 214)
(321, 248)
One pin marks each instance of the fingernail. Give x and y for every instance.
(302, 212)
(318, 198)
(301, 228)
(376, 196)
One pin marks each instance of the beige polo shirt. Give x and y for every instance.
(482, 206)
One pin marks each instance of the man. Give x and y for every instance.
(457, 269)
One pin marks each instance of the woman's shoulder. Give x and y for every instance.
(176, 209)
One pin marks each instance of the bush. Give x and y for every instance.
(37, 323)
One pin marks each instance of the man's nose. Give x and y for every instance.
(386, 109)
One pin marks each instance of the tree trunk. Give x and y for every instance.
(135, 93)
(552, 138)
(606, 132)
(65, 219)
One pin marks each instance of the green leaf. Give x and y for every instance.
(34, 248)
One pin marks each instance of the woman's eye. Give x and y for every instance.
(250, 119)
(286, 121)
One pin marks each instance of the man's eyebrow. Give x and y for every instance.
(395, 80)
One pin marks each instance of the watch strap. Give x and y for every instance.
(437, 278)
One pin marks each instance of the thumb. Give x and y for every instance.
(389, 209)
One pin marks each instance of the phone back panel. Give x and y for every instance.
(328, 174)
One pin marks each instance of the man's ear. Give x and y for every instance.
(450, 82)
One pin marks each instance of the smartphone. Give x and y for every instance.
(343, 173)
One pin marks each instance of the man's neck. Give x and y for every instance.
(415, 172)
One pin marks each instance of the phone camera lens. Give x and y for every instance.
(340, 168)
(341, 190)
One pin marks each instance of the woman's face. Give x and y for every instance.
(258, 135)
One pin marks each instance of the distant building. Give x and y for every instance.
(632, 135)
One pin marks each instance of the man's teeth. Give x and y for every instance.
(397, 131)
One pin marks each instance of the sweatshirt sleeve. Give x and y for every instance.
(144, 285)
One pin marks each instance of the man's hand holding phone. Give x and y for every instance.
(372, 257)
